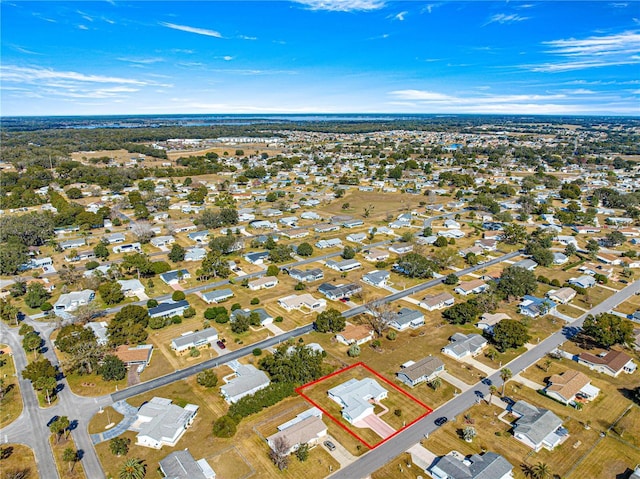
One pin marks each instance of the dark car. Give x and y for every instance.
(441, 421)
(220, 344)
(329, 445)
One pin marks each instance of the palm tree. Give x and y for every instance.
(70, 456)
(505, 375)
(133, 468)
(540, 471)
(435, 383)
(547, 364)
(469, 433)
(492, 390)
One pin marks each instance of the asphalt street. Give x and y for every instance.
(373, 460)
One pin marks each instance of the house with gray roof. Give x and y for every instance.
(413, 373)
(377, 278)
(340, 291)
(70, 301)
(310, 430)
(174, 277)
(201, 236)
(537, 427)
(195, 254)
(486, 466)
(169, 309)
(160, 241)
(73, 243)
(115, 238)
(356, 396)
(584, 281)
(407, 318)
(533, 307)
(160, 423)
(217, 295)
(247, 380)
(306, 276)
(265, 318)
(329, 243)
(527, 264)
(463, 345)
(343, 266)
(199, 340)
(99, 329)
(182, 465)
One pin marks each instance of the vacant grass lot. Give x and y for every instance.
(11, 403)
(630, 306)
(610, 458)
(399, 468)
(236, 456)
(595, 295)
(18, 458)
(100, 421)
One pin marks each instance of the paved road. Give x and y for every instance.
(374, 460)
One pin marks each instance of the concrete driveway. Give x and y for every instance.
(340, 454)
(376, 424)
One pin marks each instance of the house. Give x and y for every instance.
(356, 237)
(160, 423)
(487, 244)
(217, 295)
(265, 282)
(247, 380)
(586, 229)
(73, 243)
(175, 276)
(397, 224)
(330, 243)
(413, 373)
(352, 223)
(584, 281)
(612, 363)
(343, 266)
(309, 430)
(132, 287)
(608, 258)
(377, 278)
(571, 387)
(201, 236)
(79, 256)
(341, 291)
(534, 307)
(189, 340)
(71, 301)
(451, 224)
(128, 248)
(182, 465)
(455, 234)
(263, 224)
(306, 276)
(115, 238)
(160, 241)
(434, 302)
(463, 345)
(537, 427)
(302, 302)
(560, 258)
(326, 228)
(295, 233)
(475, 286)
(167, 310)
(195, 254)
(375, 254)
(356, 396)
(99, 329)
(265, 318)
(488, 321)
(407, 318)
(527, 264)
(310, 215)
(139, 355)
(289, 221)
(486, 466)
(562, 295)
(257, 257)
(567, 240)
(355, 334)
(401, 248)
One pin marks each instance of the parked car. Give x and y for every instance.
(441, 421)
(329, 445)
(220, 344)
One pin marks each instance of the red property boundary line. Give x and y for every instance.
(300, 389)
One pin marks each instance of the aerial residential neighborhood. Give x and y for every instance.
(402, 302)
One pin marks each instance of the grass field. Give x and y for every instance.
(399, 468)
(630, 306)
(11, 403)
(65, 469)
(17, 457)
(100, 421)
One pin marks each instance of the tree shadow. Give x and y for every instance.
(73, 425)
(5, 452)
(624, 475)
(527, 470)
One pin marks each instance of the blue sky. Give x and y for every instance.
(324, 56)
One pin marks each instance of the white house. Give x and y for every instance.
(70, 301)
(413, 373)
(302, 302)
(356, 397)
(537, 427)
(263, 283)
(434, 302)
(246, 380)
(407, 318)
(475, 286)
(462, 345)
(486, 466)
(199, 340)
(160, 423)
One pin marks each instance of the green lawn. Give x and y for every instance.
(11, 403)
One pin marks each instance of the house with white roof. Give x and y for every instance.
(356, 397)
(377, 278)
(344, 265)
(306, 428)
(302, 302)
(486, 466)
(71, 301)
(246, 380)
(426, 369)
(265, 282)
(189, 340)
(407, 318)
(463, 345)
(182, 465)
(434, 302)
(160, 423)
(132, 287)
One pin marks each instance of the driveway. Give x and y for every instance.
(422, 457)
(340, 454)
(376, 424)
(455, 382)
(478, 365)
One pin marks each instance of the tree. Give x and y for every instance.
(111, 292)
(509, 333)
(305, 249)
(133, 468)
(273, 270)
(59, 427)
(435, 383)
(570, 250)
(302, 453)
(279, 453)
(444, 257)
(31, 341)
(607, 329)
(70, 456)
(515, 282)
(441, 242)
(505, 375)
(542, 256)
(178, 296)
(514, 233)
(540, 471)
(36, 295)
(19, 288)
(8, 312)
(348, 252)
(112, 368)
(451, 279)
(39, 369)
(48, 385)
(614, 238)
(218, 313)
(224, 426)
(469, 433)
(207, 378)
(101, 251)
(177, 253)
(128, 326)
(592, 247)
(461, 313)
(298, 365)
(142, 230)
(354, 351)
(378, 315)
(330, 321)
(492, 392)
(119, 446)
(213, 265)
(415, 265)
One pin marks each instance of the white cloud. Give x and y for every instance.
(503, 18)
(429, 7)
(245, 37)
(343, 5)
(18, 74)
(24, 50)
(141, 61)
(400, 16)
(186, 28)
(83, 27)
(227, 58)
